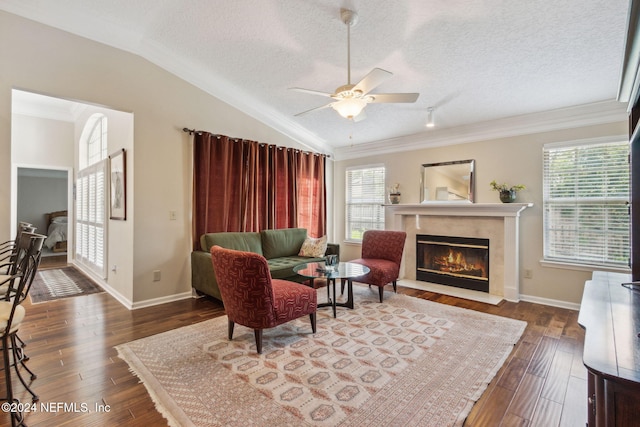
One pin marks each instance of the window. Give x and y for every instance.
(586, 195)
(91, 205)
(365, 197)
(93, 146)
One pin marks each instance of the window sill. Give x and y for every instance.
(353, 242)
(583, 267)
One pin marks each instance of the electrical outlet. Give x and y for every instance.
(156, 275)
(528, 274)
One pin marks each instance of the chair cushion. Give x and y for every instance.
(292, 300)
(245, 287)
(18, 317)
(382, 271)
(383, 244)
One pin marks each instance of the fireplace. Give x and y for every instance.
(462, 262)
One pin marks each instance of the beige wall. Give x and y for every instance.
(41, 59)
(515, 160)
(42, 142)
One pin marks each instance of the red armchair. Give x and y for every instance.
(382, 253)
(253, 299)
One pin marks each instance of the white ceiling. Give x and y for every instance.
(475, 61)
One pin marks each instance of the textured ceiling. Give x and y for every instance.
(473, 60)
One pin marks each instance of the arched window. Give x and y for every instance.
(93, 143)
(91, 206)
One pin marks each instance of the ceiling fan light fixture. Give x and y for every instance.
(349, 107)
(350, 99)
(430, 122)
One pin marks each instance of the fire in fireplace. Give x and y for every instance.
(455, 261)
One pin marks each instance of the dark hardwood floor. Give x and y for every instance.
(71, 346)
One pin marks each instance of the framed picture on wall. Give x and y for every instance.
(118, 180)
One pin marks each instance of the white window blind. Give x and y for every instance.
(90, 217)
(586, 195)
(364, 199)
(91, 196)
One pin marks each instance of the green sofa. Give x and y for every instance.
(279, 247)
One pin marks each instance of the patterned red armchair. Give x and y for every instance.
(253, 299)
(382, 253)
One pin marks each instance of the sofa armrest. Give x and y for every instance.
(203, 278)
(333, 249)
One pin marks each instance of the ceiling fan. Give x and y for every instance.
(351, 99)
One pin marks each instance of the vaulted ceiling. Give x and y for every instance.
(477, 62)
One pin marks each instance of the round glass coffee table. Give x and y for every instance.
(344, 271)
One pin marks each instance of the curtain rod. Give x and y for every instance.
(192, 131)
(200, 132)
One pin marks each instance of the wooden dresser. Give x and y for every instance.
(610, 315)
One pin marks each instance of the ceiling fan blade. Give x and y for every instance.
(315, 109)
(372, 80)
(393, 97)
(311, 91)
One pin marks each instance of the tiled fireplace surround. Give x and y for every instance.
(499, 222)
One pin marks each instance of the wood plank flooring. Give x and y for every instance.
(71, 346)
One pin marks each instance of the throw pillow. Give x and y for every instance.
(314, 247)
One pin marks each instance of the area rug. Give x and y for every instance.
(403, 362)
(55, 283)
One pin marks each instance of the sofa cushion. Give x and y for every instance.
(314, 247)
(240, 241)
(282, 242)
(282, 267)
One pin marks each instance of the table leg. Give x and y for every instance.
(349, 293)
(333, 302)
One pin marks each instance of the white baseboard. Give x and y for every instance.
(161, 300)
(550, 302)
(482, 296)
(126, 301)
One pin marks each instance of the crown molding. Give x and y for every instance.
(565, 118)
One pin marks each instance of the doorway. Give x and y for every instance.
(43, 200)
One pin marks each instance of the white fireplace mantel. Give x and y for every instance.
(509, 213)
(460, 209)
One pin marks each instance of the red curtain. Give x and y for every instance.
(311, 193)
(242, 185)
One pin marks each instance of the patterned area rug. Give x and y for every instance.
(58, 283)
(405, 362)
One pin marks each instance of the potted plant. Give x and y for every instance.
(394, 194)
(508, 193)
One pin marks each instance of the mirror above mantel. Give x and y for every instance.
(447, 182)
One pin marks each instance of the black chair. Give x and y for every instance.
(21, 225)
(11, 316)
(9, 248)
(23, 245)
